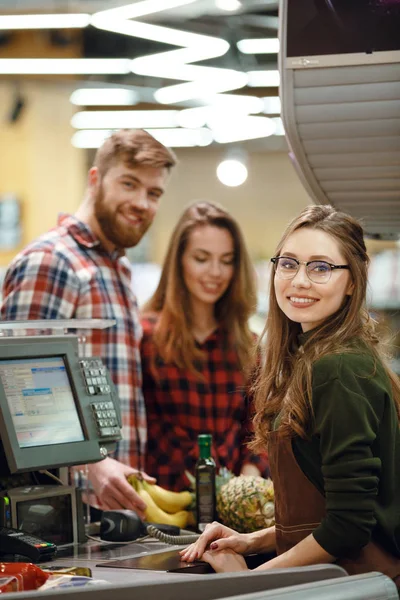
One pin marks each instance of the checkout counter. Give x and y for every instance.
(59, 408)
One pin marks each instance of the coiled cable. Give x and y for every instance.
(172, 539)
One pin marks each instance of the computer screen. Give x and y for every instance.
(55, 409)
(41, 401)
(324, 27)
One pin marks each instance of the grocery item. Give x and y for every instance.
(61, 570)
(29, 576)
(168, 500)
(205, 473)
(246, 503)
(154, 513)
(9, 584)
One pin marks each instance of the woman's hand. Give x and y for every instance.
(217, 537)
(225, 561)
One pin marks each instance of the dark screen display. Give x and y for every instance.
(321, 27)
(47, 518)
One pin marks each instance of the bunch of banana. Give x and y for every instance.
(163, 506)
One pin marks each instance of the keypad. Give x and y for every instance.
(106, 418)
(95, 376)
(104, 413)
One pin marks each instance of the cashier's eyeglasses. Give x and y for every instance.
(318, 271)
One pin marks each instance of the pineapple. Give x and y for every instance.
(246, 503)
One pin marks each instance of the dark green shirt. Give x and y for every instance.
(353, 457)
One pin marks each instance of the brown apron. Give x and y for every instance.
(300, 508)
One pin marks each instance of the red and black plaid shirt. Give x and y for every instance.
(180, 406)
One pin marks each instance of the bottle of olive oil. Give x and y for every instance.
(205, 483)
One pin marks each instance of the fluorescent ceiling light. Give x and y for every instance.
(91, 138)
(185, 91)
(228, 5)
(263, 78)
(224, 105)
(279, 129)
(169, 137)
(157, 33)
(64, 66)
(234, 102)
(173, 64)
(272, 105)
(124, 119)
(194, 117)
(177, 71)
(141, 9)
(245, 128)
(180, 138)
(104, 97)
(259, 46)
(56, 21)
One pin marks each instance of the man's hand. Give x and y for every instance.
(108, 478)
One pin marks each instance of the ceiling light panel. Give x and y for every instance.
(246, 128)
(259, 46)
(219, 107)
(263, 78)
(141, 9)
(228, 5)
(272, 105)
(64, 66)
(234, 102)
(158, 33)
(279, 129)
(173, 64)
(208, 75)
(175, 138)
(181, 138)
(56, 21)
(185, 91)
(125, 119)
(104, 97)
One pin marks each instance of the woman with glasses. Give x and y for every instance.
(197, 348)
(328, 411)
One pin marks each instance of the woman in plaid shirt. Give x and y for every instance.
(197, 346)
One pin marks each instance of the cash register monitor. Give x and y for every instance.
(55, 409)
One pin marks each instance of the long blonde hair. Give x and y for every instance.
(173, 334)
(284, 382)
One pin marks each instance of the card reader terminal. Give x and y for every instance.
(16, 542)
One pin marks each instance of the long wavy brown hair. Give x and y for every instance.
(171, 301)
(284, 381)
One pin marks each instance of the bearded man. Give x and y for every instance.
(79, 270)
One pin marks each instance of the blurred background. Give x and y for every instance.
(200, 75)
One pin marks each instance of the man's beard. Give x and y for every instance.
(122, 236)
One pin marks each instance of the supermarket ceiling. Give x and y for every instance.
(218, 56)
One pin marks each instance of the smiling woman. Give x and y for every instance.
(328, 411)
(309, 291)
(196, 348)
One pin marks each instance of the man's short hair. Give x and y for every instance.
(134, 147)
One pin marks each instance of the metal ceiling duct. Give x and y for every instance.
(340, 92)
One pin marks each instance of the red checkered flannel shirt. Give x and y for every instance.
(67, 274)
(179, 407)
